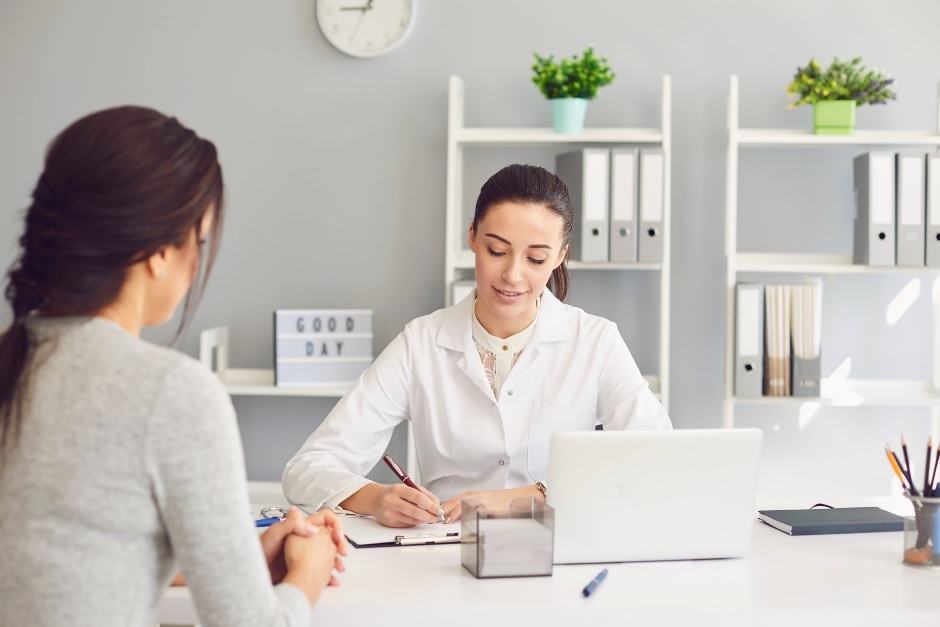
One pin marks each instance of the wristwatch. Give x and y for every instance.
(543, 488)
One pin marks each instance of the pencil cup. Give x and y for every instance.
(922, 534)
(511, 543)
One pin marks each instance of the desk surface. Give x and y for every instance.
(855, 579)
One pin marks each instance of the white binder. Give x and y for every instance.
(587, 174)
(652, 164)
(749, 340)
(623, 201)
(911, 207)
(777, 340)
(874, 209)
(933, 210)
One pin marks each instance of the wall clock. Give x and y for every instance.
(366, 28)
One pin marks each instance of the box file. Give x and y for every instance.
(749, 340)
(911, 208)
(932, 238)
(874, 196)
(623, 205)
(777, 340)
(314, 346)
(806, 324)
(652, 171)
(587, 174)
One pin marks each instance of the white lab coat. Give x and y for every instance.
(574, 371)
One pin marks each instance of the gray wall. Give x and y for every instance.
(335, 171)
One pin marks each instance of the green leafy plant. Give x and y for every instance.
(572, 78)
(842, 80)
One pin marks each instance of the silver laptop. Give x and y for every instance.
(624, 496)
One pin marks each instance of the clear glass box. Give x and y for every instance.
(514, 543)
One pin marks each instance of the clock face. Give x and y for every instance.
(366, 28)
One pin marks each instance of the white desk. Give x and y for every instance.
(834, 580)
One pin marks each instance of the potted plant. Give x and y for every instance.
(569, 84)
(836, 91)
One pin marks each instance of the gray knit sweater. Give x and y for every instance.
(129, 466)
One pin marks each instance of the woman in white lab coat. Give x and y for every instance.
(486, 382)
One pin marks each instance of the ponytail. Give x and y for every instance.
(558, 283)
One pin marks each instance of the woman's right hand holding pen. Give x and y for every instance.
(395, 505)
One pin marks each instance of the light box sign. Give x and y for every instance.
(316, 346)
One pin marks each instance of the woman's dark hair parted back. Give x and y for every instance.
(118, 185)
(531, 184)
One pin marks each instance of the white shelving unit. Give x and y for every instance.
(458, 259)
(835, 392)
(213, 352)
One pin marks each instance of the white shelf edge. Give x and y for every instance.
(770, 137)
(483, 136)
(860, 393)
(465, 261)
(260, 382)
(825, 264)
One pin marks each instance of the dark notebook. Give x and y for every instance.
(808, 522)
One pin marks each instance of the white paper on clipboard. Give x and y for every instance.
(366, 531)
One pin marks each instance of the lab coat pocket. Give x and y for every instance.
(549, 417)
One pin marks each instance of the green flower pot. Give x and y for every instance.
(568, 114)
(834, 117)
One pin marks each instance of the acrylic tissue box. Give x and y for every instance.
(514, 543)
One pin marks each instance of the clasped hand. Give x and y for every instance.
(317, 539)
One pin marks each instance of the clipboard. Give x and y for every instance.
(366, 532)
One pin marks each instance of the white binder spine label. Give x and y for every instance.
(882, 196)
(596, 185)
(749, 334)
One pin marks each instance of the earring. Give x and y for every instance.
(161, 274)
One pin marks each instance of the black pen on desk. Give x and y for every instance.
(591, 587)
(408, 482)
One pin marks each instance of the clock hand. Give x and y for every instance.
(367, 7)
(355, 30)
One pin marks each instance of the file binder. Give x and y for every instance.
(933, 211)
(777, 340)
(623, 201)
(587, 174)
(652, 164)
(911, 207)
(749, 340)
(806, 323)
(874, 209)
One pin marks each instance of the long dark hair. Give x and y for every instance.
(117, 186)
(530, 184)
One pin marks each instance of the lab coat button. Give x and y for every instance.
(502, 462)
(509, 392)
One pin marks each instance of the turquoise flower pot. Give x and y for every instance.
(568, 114)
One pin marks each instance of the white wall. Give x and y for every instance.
(316, 144)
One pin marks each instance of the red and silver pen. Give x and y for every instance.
(408, 482)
